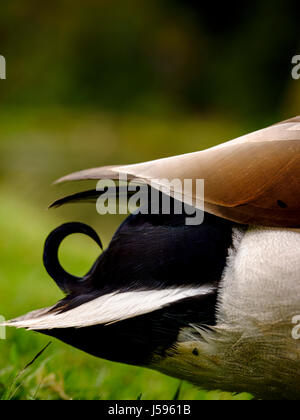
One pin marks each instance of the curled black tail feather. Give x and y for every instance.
(65, 281)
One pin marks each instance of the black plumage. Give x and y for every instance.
(148, 252)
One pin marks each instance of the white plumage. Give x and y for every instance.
(108, 309)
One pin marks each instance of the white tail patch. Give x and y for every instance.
(107, 309)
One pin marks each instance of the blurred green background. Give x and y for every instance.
(108, 82)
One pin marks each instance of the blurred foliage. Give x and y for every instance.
(151, 56)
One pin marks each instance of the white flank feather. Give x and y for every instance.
(107, 309)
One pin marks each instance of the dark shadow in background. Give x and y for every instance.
(151, 56)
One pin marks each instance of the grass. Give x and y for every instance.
(61, 372)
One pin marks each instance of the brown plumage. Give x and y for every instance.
(254, 179)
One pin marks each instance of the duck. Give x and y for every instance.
(212, 303)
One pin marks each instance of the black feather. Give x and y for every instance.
(148, 252)
(65, 281)
(91, 196)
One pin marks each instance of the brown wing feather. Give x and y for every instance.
(254, 179)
